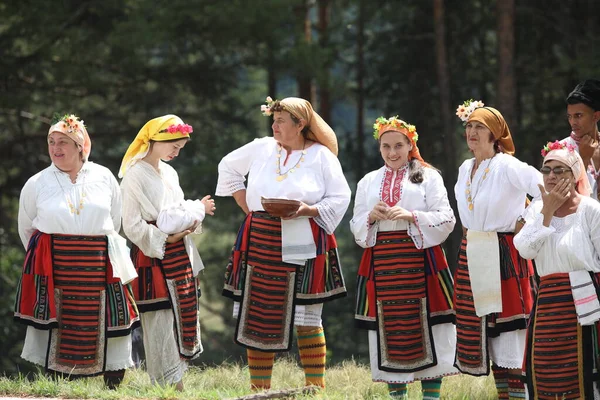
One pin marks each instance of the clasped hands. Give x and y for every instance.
(382, 211)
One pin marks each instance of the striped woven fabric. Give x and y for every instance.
(169, 284)
(80, 277)
(440, 289)
(318, 281)
(412, 289)
(267, 310)
(561, 355)
(400, 289)
(472, 332)
(91, 305)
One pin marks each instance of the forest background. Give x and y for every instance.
(119, 63)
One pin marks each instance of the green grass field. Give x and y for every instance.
(348, 380)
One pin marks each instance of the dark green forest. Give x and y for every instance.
(119, 63)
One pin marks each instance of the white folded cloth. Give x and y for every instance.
(297, 241)
(584, 297)
(483, 257)
(118, 253)
(180, 216)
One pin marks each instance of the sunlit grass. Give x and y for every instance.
(348, 380)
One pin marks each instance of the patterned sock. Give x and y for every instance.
(516, 388)
(501, 379)
(112, 379)
(260, 364)
(431, 388)
(398, 390)
(312, 354)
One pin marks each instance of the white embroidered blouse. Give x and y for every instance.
(570, 243)
(52, 204)
(498, 196)
(146, 192)
(428, 201)
(318, 180)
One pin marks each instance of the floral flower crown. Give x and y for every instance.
(183, 128)
(394, 122)
(556, 145)
(70, 122)
(465, 110)
(266, 108)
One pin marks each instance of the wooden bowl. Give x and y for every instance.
(280, 207)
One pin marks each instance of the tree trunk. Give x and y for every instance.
(360, 92)
(449, 139)
(324, 89)
(507, 89)
(271, 77)
(304, 78)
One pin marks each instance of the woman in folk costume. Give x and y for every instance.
(492, 292)
(166, 290)
(562, 235)
(73, 293)
(295, 257)
(401, 216)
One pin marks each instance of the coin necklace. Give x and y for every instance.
(280, 177)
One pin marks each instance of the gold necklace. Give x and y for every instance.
(72, 208)
(471, 196)
(281, 176)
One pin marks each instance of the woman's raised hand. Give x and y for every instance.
(555, 198)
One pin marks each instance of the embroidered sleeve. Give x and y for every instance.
(234, 167)
(534, 234)
(151, 240)
(27, 210)
(336, 200)
(365, 234)
(431, 227)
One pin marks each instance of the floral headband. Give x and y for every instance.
(465, 110)
(183, 128)
(556, 145)
(383, 124)
(70, 123)
(266, 108)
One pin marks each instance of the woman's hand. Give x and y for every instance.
(304, 211)
(209, 205)
(554, 199)
(379, 212)
(176, 237)
(398, 213)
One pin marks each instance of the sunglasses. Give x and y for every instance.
(556, 170)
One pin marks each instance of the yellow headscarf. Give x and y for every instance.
(167, 127)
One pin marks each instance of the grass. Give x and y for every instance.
(348, 380)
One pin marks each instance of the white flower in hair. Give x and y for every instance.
(464, 111)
